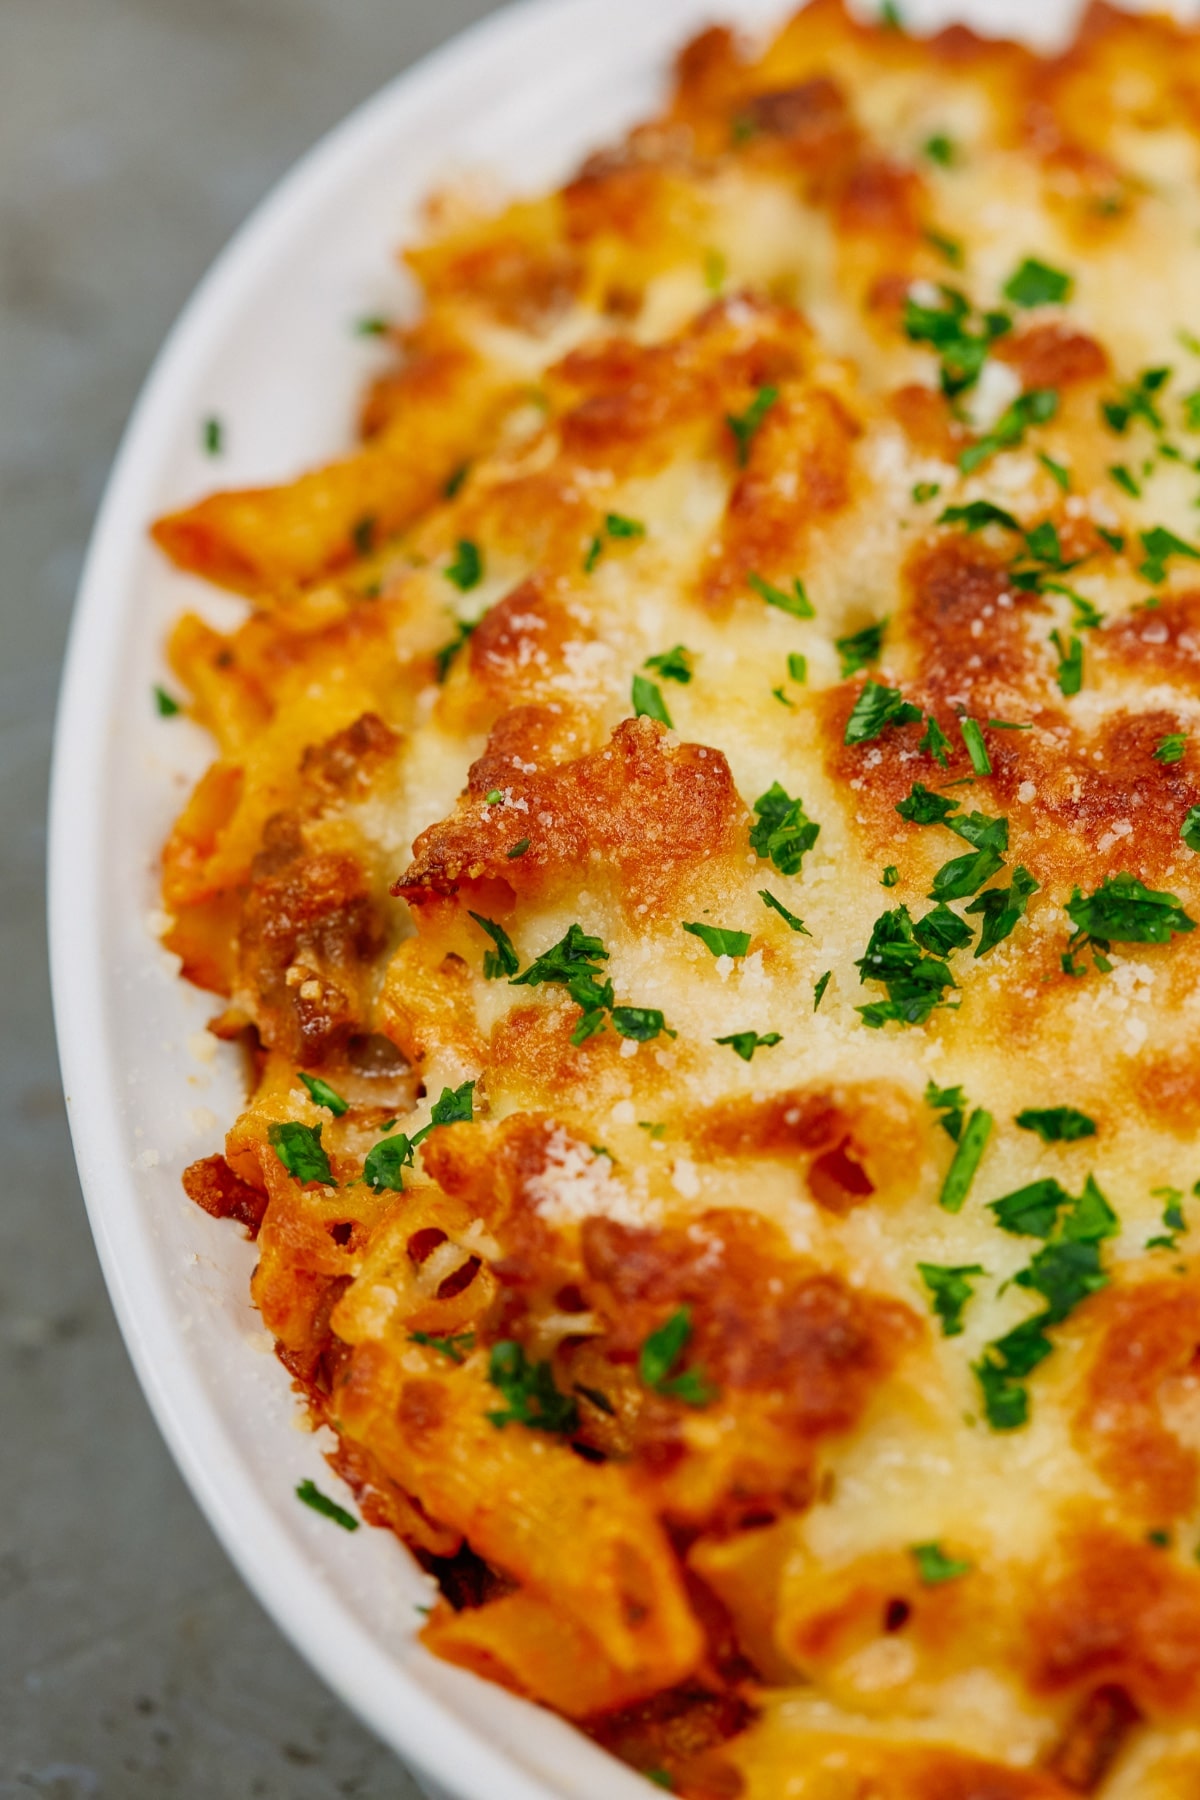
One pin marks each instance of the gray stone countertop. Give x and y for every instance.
(134, 136)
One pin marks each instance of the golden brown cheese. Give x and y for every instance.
(665, 774)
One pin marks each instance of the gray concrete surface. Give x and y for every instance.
(134, 136)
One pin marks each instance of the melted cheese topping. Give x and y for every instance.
(681, 1340)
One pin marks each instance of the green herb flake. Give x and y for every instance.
(782, 832)
(745, 1043)
(374, 325)
(659, 1358)
(452, 486)
(949, 1289)
(715, 270)
(1056, 471)
(1171, 748)
(875, 709)
(321, 1094)
(1160, 545)
(935, 1567)
(455, 1348)
(518, 849)
(446, 655)
(934, 742)
(972, 737)
(915, 982)
(363, 535)
(1001, 907)
(961, 1172)
(1034, 408)
(745, 426)
(1037, 284)
(1125, 480)
(661, 1778)
(941, 149)
(640, 1023)
(797, 668)
(503, 960)
(165, 706)
(455, 1107)
(212, 436)
(926, 490)
(719, 940)
(647, 701)
(977, 515)
(466, 571)
(1123, 910)
(821, 984)
(493, 797)
(298, 1148)
(1069, 670)
(890, 877)
(672, 665)
(777, 693)
(951, 1103)
(383, 1170)
(1032, 1210)
(921, 807)
(962, 348)
(947, 247)
(796, 603)
(861, 648)
(310, 1493)
(530, 1395)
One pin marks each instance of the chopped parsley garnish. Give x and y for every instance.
(940, 931)
(1031, 1211)
(782, 831)
(1191, 411)
(941, 150)
(951, 1103)
(1087, 617)
(503, 960)
(672, 665)
(518, 849)
(861, 648)
(1069, 670)
(745, 1043)
(962, 350)
(310, 1493)
(890, 877)
(890, 16)
(715, 270)
(363, 535)
(452, 485)
(978, 514)
(934, 1566)
(949, 1289)
(298, 1148)
(529, 1392)
(934, 741)
(446, 655)
(1122, 910)
(321, 1094)
(1189, 831)
(466, 571)
(1126, 480)
(876, 708)
(961, 1173)
(1033, 408)
(661, 1778)
(658, 1363)
(616, 525)
(926, 490)
(641, 1023)
(1135, 402)
(1057, 1124)
(374, 325)
(574, 962)
(1172, 1218)
(720, 941)
(1001, 907)
(972, 737)
(213, 437)
(456, 1348)
(915, 982)
(165, 706)
(648, 702)
(965, 875)
(797, 603)
(822, 983)
(777, 693)
(789, 918)
(383, 1170)
(456, 1106)
(1037, 284)
(1171, 748)
(1159, 545)
(745, 426)
(797, 668)
(1056, 470)
(493, 797)
(947, 247)
(921, 807)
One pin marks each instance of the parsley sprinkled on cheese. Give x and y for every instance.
(934, 741)
(1189, 831)
(797, 602)
(1001, 907)
(789, 918)
(890, 876)
(967, 1156)
(861, 648)
(574, 962)
(978, 514)
(165, 706)
(941, 149)
(659, 1359)
(876, 708)
(972, 737)
(530, 1395)
(950, 1289)
(951, 1103)
(1121, 910)
(1069, 671)
(962, 345)
(782, 831)
(321, 1094)
(1160, 545)
(915, 982)
(616, 525)
(503, 960)
(446, 655)
(518, 849)
(383, 1170)
(374, 325)
(466, 571)
(647, 700)
(934, 1566)
(212, 436)
(672, 665)
(1056, 471)
(1056, 1124)
(1125, 480)
(719, 940)
(797, 668)
(1034, 408)
(745, 1043)
(299, 1149)
(926, 490)
(493, 797)
(822, 983)
(455, 1348)
(310, 1493)
(746, 425)
(1037, 284)
(363, 536)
